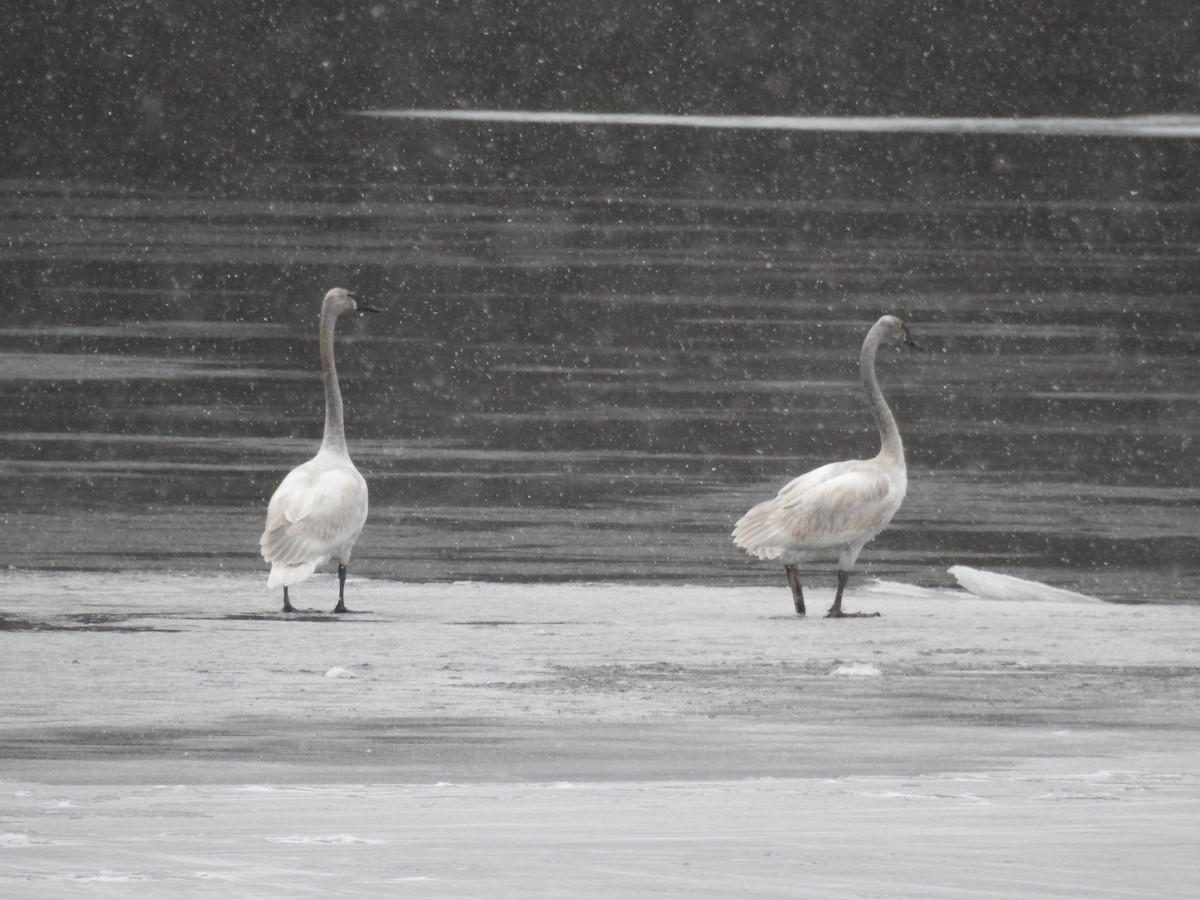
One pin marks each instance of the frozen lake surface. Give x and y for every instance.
(163, 733)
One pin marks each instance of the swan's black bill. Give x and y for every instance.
(361, 307)
(909, 342)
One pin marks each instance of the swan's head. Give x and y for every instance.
(339, 301)
(890, 328)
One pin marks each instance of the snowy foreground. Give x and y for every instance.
(174, 736)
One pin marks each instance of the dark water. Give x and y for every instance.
(593, 383)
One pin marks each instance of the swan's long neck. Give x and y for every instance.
(889, 435)
(335, 425)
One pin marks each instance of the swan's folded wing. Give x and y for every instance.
(795, 489)
(817, 510)
(755, 532)
(851, 506)
(797, 519)
(314, 514)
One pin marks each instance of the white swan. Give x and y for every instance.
(319, 509)
(837, 508)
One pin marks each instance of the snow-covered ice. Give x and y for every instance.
(178, 735)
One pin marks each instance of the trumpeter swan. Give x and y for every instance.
(837, 508)
(319, 509)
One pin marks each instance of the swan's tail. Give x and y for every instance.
(754, 532)
(284, 576)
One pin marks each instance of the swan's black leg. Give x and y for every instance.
(835, 611)
(793, 575)
(287, 604)
(341, 604)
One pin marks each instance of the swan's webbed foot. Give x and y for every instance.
(835, 611)
(287, 604)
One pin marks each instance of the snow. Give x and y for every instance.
(593, 740)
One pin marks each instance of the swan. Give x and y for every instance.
(320, 507)
(837, 508)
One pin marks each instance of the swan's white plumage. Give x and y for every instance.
(316, 514)
(835, 509)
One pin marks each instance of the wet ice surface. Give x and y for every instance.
(175, 733)
(580, 383)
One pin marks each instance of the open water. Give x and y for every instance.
(593, 380)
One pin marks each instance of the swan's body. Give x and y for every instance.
(318, 511)
(835, 509)
(316, 514)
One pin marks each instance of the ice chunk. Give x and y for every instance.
(995, 586)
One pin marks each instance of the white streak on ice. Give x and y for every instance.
(1157, 126)
(901, 589)
(858, 669)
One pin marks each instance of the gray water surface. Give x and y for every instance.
(594, 383)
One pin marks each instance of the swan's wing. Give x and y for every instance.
(836, 505)
(318, 509)
(850, 507)
(755, 533)
(758, 531)
(799, 486)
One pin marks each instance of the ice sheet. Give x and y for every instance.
(176, 733)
